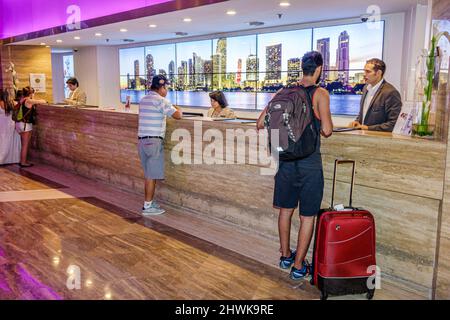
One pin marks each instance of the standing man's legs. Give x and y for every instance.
(304, 239)
(150, 187)
(284, 230)
(151, 153)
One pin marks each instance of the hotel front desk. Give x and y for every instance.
(399, 179)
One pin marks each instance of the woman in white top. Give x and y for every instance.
(25, 126)
(9, 138)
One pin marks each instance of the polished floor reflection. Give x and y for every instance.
(86, 248)
(63, 236)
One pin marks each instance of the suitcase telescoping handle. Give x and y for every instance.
(336, 163)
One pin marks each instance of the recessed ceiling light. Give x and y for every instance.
(47, 46)
(231, 12)
(187, 19)
(152, 25)
(123, 30)
(77, 38)
(59, 41)
(98, 34)
(284, 4)
(43, 43)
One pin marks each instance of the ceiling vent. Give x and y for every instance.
(255, 23)
(128, 40)
(181, 33)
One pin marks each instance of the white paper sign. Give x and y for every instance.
(405, 120)
(37, 82)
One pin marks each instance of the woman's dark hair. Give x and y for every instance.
(310, 61)
(27, 91)
(73, 81)
(19, 95)
(219, 97)
(2, 98)
(7, 100)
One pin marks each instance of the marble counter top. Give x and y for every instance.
(133, 112)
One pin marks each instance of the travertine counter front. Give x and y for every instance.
(400, 180)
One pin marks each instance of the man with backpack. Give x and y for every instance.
(300, 114)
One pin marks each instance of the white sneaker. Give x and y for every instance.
(152, 211)
(155, 205)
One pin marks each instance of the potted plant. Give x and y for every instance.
(427, 82)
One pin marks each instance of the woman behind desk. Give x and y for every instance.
(219, 106)
(76, 96)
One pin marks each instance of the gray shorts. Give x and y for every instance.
(151, 151)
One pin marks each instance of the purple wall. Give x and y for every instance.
(25, 16)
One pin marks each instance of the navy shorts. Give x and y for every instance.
(296, 184)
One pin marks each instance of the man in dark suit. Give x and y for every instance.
(381, 102)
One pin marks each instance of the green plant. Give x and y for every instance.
(431, 56)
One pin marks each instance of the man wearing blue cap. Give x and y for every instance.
(153, 110)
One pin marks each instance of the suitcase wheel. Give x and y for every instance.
(370, 294)
(323, 295)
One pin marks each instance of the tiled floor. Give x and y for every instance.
(50, 224)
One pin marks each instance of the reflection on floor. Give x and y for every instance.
(65, 237)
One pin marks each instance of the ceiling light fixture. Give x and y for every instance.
(123, 30)
(231, 12)
(59, 41)
(187, 19)
(98, 34)
(77, 38)
(152, 26)
(284, 4)
(43, 43)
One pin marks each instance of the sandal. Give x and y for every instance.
(26, 165)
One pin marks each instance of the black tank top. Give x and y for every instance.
(314, 161)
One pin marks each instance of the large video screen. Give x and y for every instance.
(345, 50)
(250, 69)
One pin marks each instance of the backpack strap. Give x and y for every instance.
(310, 96)
(26, 114)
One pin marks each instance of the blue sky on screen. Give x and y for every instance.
(365, 43)
(127, 58)
(186, 49)
(294, 44)
(162, 56)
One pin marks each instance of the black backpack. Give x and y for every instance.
(23, 114)
(291, 112)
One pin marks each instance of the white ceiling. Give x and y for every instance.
(211, 19)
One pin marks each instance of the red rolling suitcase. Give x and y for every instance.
(344, 248)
